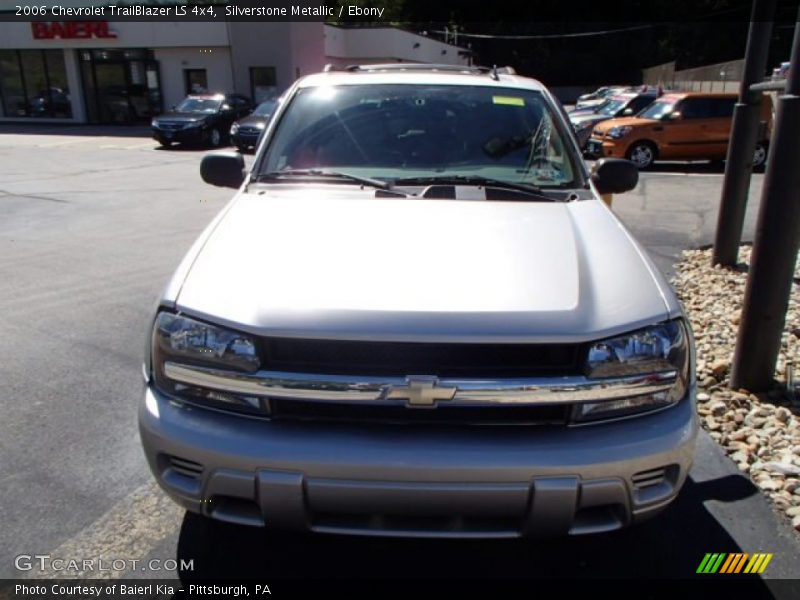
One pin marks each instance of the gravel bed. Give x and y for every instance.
(759, 432)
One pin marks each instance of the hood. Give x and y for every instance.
(582, 104)
(182, 117)
(334, 262)
(253, 120)
(625, 122)
(582, 111)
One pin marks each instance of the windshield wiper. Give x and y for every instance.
(322, 173)
(526, 188)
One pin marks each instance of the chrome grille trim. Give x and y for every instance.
(345, 388)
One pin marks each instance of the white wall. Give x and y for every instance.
(172, 62)
(386, 44)
(307, 47)
(130, 34)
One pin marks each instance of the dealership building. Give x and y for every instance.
(128, 71)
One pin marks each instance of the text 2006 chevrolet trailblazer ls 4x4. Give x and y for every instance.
(416, 317)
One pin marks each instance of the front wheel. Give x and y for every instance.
(642, 154)
(214, 138)
(760, 155)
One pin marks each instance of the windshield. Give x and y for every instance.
(199, 105)
(658, 110)
(265, 109)
(611, 107)
(395, 131)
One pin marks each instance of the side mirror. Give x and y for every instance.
(614, 175)
(673, 116)
(627, 112)
(223, 169)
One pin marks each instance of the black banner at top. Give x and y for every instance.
(518, 14)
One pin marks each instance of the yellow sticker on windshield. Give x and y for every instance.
(509, 100)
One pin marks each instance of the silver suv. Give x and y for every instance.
(416, 317)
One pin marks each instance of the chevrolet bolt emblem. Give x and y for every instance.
(421, 391)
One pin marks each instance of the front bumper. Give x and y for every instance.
(489, 481)
(598, 148)
(191, 135)
(246, 140)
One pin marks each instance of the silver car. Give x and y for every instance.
(416, 317)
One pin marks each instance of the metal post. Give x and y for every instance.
(744, 131)
(775, 247)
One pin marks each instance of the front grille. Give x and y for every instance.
(249, 130)
(169, 126)
(336, 357)
(434, 526)
(374, 412)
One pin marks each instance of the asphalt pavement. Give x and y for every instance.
(92, 223)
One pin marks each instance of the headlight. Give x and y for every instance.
(154, 123)
(234, 128)
(618, 132)
(659, 353)
(260, 125)
(180, 340)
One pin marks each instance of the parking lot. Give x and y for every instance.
(92, 223)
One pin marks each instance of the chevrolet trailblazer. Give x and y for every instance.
(416, 317)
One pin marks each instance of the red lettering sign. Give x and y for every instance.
(71, 30)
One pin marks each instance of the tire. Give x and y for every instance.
(760, 155)
(642, 154)
(241, 149)
(215, 138)
(165, 143)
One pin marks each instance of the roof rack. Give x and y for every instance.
(474, 69)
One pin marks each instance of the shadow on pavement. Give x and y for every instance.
(670, 546)
(711, 167)
(189, 147)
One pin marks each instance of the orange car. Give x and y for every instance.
(677, 126)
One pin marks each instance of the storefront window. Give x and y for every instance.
(33, 83)
(11, 84)
(120, 86)
(263, 83)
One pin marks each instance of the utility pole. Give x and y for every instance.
(775, 247)
(744, 133)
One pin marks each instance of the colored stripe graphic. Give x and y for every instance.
(755, 559)
(721, 562)
(718, 562)
(767, 558)
(741, 562)
(728, 563)
(702, 566)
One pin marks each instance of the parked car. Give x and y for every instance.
(782, 71)
(598, 97)
(677, 126)
(51, 102)
(417, 317)
(620, 105)
(201, 119)
(245, 133)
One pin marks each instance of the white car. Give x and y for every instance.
(416, 317)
